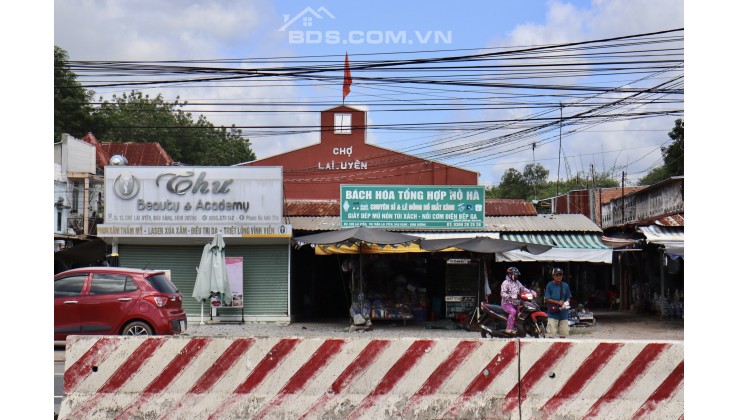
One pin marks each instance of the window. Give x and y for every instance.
(342, 123)
(112, 283)
(69, 286)
(75, 199)
(59, 220)
(162, 283)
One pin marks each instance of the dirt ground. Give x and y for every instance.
(611, 325)
(629, 325)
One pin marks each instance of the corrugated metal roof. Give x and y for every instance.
(542, 223)
(509, 207)
(559, 240)
(609, 194)
(311, 208)
(660, 234)
(675, 220)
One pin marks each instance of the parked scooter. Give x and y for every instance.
(530, 319)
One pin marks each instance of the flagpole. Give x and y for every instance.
(347, 78)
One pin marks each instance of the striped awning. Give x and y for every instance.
(559, 240)
(672, 238)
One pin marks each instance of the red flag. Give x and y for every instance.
(347, 77)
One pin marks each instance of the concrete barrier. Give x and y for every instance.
(576, 379)
(209, 377)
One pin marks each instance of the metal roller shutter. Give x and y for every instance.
(265, 274)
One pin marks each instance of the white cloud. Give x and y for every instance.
(145, 30)
(627, 142)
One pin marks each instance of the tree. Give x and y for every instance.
(536, 176)
(136, 117)
(71, 100)
(513, 185)
(672, 158)
(522, 185)
(492, 192)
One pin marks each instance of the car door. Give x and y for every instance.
(67, 304)
(110, 298)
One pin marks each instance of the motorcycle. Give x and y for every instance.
(530, 319)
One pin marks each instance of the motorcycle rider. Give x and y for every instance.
(510, 290)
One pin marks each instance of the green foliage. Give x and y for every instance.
(513, 185)
(673, 158)
(522, 185)
(492, 192)
(71, 100)
(136, 117)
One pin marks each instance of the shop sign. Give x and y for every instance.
(193, 195)
(413, 206)
(459, 261)
(199, 230)
(235, 272)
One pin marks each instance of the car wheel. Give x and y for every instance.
(137, 328)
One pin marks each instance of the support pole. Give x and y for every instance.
(560, 149)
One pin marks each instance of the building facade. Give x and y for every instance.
(161, 217)
(343, 156)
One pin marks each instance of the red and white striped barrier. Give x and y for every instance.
(206, 377)
(600, 379)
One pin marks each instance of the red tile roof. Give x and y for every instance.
(139, 154)
(100, 158)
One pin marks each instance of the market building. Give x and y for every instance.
(650, 272)
(343, 182)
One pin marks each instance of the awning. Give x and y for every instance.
(370, 249)
(672, 238)
(573, 247)
(88, 253)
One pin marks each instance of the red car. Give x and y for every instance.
(116, 300)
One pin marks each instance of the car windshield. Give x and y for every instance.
(162, 283)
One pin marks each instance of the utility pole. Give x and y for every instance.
(592, 196)
(622, 199)
(534, 162)
(560, 149)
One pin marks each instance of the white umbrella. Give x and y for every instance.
(212, 276)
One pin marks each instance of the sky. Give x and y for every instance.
(188, 30)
